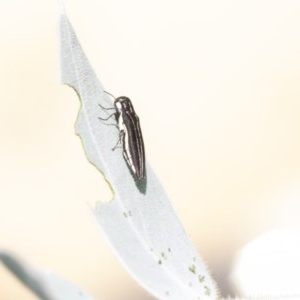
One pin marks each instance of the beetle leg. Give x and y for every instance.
(121, 135)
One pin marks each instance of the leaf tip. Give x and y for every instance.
(61, 7)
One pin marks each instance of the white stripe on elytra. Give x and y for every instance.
(126, 140)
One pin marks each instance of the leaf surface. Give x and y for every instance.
(139, 222)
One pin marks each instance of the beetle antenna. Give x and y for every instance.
(110, 94)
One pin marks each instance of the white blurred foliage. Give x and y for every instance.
(45, 285)
(269, 265)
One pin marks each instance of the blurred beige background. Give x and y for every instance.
(216, 86)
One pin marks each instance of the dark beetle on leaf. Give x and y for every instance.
(130, 136)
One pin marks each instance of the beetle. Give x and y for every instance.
(130, 136)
